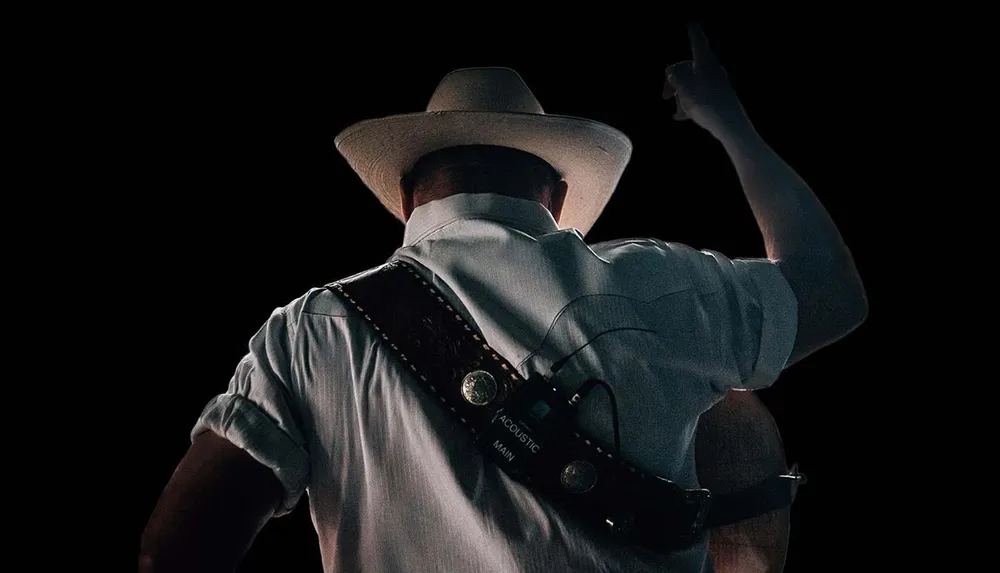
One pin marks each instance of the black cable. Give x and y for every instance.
(589, 384)
(562, 362)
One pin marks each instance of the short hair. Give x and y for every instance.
(486, 169)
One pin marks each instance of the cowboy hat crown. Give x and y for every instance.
(491, 106)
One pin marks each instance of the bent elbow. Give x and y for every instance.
(842, 286)
(150, 558)
(857, 305)
(159, 555)
(147, 564)
(852, 317)
(847, 310)
(832, 303)
(862, 313)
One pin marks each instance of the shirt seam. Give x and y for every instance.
(306, 312)
(562, 310)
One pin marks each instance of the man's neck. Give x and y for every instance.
(423, 196)
(528, 216)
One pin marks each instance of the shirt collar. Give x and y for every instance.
(522, 214)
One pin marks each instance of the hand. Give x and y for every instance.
(702, 90)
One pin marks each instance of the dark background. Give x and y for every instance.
(242, 203)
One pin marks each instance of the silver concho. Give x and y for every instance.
(578, 476)
(479, 387)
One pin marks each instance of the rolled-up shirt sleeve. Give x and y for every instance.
(258, 412)
(757, 317)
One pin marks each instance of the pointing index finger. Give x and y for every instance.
(700, 50)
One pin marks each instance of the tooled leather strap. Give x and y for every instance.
(432, 338)
(441, 349)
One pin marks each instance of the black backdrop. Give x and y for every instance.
(244, 202)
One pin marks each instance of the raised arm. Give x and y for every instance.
(798, 232)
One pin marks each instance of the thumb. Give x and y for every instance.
(679, 78)
(680, 114)
(669, 91)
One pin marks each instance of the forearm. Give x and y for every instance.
(208, 515)
(791, 218)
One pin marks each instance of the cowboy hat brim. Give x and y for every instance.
(590, 155)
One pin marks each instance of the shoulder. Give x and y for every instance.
(706, 264)
(651, 258)
(646, 249)
(319, 301)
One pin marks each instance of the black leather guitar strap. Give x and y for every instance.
(468, 378)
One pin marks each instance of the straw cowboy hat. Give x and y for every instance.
(491, 106)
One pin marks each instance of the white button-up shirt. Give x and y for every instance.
(396, 485)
